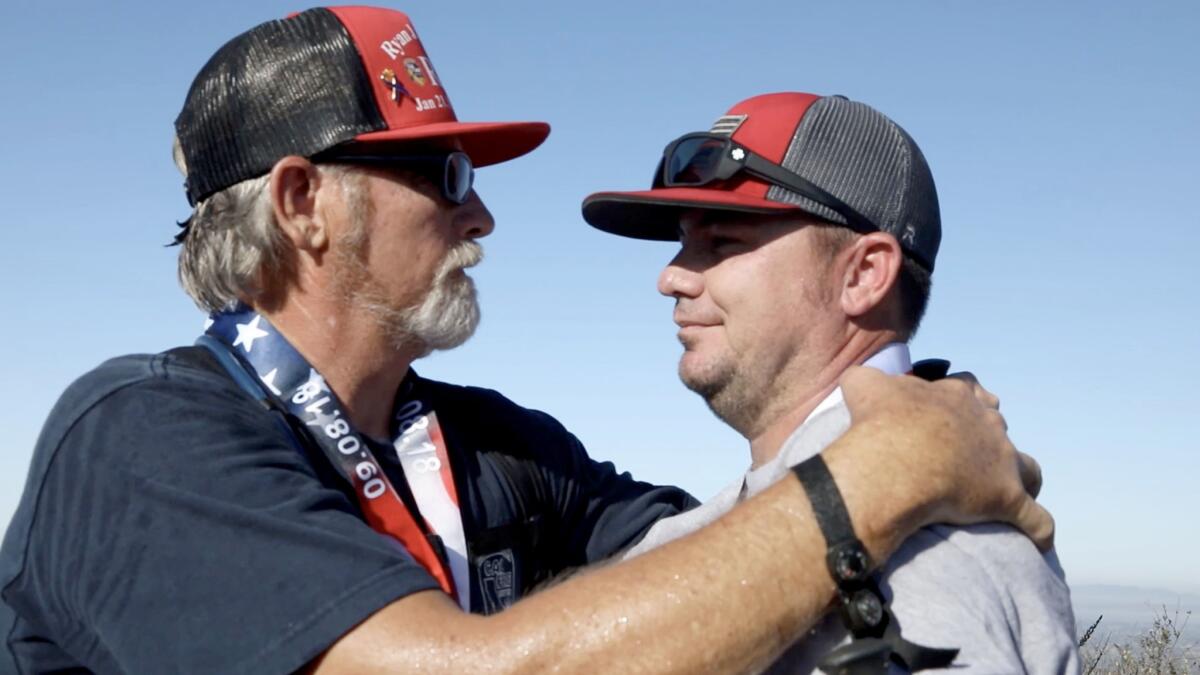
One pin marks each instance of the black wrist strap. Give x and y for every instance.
(861, 604)
(826, 500)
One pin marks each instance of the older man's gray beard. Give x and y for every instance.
(445, 318)
(449, 314)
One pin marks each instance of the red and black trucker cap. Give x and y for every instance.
(320, 78)
(847, 148)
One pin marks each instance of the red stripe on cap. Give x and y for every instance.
(406, 86)
(771, 122)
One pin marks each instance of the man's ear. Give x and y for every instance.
(293, 186)
(872, 265)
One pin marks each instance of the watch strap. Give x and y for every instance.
(846, 557)
(863, 608)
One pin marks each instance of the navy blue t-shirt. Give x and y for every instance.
(170, 523)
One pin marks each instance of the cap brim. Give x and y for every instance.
(654, 214)
(484, 142)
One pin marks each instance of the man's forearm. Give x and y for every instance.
(729, 597)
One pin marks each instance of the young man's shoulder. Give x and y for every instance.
(987, 590)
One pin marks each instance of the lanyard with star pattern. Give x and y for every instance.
(417, 438)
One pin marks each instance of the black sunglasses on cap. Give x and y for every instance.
(453, 172)
(698, 159)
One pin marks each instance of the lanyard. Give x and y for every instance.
(421, 447)
(416, 437)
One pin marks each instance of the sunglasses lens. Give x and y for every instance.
(460, 176)
(694, 161)
(657, 181)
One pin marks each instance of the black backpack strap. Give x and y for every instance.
(931, 369)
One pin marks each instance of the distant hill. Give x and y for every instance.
(1129, 611)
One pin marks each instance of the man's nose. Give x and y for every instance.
(473, 220)
(678, 281)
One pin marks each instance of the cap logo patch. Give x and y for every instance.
(415, 73)
(398, 91)
(728, 125)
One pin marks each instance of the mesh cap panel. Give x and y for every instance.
(291, 86)
(870, 163)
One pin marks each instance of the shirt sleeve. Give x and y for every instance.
(606, 511)
(986, 590)
(180, 530)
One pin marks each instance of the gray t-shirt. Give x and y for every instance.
(984, 589)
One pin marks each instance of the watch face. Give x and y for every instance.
(851, 564)
(868, 607)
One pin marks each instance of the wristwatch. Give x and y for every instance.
(864, 610)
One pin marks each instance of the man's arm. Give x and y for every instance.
(730, 596)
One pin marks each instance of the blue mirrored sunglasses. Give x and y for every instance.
(453, 172)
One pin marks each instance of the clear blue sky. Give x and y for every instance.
(1063, 136)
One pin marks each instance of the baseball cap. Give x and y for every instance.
(321, 78)
(845, 148)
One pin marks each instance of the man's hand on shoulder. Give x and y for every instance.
(939, 452)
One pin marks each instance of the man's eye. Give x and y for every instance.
(724, 243)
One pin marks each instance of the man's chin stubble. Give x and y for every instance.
(725, 398)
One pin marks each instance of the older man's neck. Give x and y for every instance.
(783, 416)
(354, 355)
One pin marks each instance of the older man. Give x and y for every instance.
(289, 493)
(808, 230)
